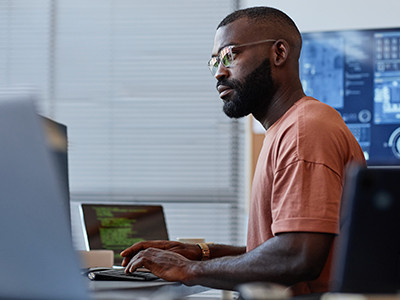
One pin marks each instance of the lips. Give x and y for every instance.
(224, 91)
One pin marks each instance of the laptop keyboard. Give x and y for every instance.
(119, 274)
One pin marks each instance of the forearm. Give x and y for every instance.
(219, 250)
(277, 260)
(229, 271)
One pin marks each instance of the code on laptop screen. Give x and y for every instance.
(116, 227)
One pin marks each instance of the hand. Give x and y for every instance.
(167, 265)
(190, 251)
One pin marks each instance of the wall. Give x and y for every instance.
(311, 15)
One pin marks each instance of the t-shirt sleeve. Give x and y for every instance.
(306, 198)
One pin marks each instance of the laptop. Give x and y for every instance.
(57, 141)
(37, 259)
(118, 226)
(367, 257)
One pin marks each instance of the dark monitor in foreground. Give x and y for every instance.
(118, 226)
(358, 73)
(367, 253)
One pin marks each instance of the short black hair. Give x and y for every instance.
(260, 14)
(280, 21)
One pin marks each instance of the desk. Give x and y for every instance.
(157, 290)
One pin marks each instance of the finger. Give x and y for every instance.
(125, 261)
(134, 263)
(132, 250)
(135, 248)
(143, 259)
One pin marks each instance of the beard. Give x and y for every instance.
(249, 95)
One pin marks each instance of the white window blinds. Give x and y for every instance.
(130, 80)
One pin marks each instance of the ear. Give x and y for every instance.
(281, 52)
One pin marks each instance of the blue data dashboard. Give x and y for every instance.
(357, 72)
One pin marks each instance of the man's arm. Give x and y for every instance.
(190, 251)
(286, 259)
(218, 250)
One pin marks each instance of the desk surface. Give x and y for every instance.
(157, 290)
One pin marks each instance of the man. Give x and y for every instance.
(295, 201)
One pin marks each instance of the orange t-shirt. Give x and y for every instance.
(298, 180)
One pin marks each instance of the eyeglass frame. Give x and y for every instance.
(228, 49)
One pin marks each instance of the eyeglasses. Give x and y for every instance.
(227, 56)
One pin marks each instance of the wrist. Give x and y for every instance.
(192, 273)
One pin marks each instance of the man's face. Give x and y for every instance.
(247, 96)
(245, 84)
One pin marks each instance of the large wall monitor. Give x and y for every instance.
(358, 73)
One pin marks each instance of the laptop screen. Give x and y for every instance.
(118, 226)
(57, 141)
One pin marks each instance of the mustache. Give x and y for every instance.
(229, 83)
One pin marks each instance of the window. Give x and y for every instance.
(130, 80)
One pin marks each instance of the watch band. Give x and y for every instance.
(205, 251)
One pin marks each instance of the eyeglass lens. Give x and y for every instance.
(225, 56)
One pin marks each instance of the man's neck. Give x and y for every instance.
(279, 105)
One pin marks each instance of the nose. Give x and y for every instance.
(222, 72)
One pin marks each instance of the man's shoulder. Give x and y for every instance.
(311, 105)
(309, 112)
(313, 128)
(314, 113)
